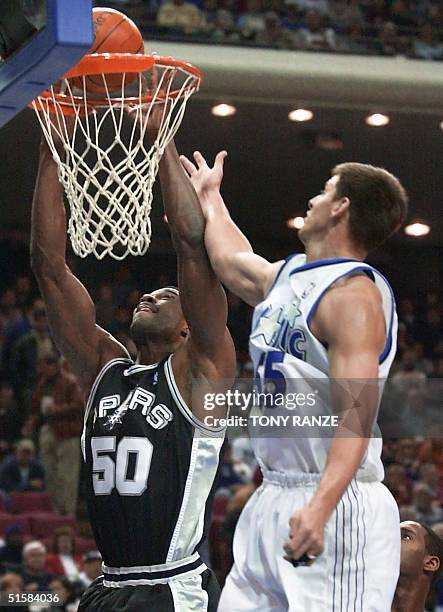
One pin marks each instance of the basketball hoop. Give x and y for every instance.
(108, 180)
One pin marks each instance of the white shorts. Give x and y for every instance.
(357, 571)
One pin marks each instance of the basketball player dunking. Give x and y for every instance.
(317, 315)
(150, 461)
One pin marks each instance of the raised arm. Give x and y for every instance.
(203, 300)
(246, 274)
(70, 310)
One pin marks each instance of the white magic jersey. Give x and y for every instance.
(283, 348)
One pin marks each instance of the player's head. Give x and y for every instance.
(421, 552)
(158, 317)
(368, 203)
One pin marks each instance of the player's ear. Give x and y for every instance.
(431, 563)
(341, 207)
(185, 332)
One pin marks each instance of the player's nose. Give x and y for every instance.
(148, 297)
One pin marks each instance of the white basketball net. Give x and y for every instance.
(108, 180)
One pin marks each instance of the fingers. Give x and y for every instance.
(199, 160)
(188, 165)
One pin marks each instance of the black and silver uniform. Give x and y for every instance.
(150, 467)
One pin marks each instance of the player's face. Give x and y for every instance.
(413, 548)
(158, 314)
(318, 216)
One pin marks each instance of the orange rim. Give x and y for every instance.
(109, 63)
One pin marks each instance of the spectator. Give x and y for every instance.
(399, 485)
(425, 505)
(321, 6)
(92, 567)
(10, 419)
(345, 13)
(274, 35)
(402, 14)
(26, 352)
(430, 330)
(67, 597)
(388, 41)
(253, 21)
(180, 16)
(63, 561)
(57, 408)
(224, 29)
(353, 39)
(376, 12)
(22, 471)
(23, 290)
(407, 315)
(34, 576)
(227, 480)
(11, 584)
(314, 35)
(426, 45)
(11, 552)
(408, 377)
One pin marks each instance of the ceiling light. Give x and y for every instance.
(295, 223)
(377, 120)
(441, 125)
(223, 110)
(300, 114)
(417, 229)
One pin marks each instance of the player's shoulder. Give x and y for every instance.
(353, 290)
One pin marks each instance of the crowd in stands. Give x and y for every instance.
(41, 409)
(384, 27)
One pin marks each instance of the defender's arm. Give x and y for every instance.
(246, 274)
(70, 310)
(202, 297)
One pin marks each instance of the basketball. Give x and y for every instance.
(114, 33)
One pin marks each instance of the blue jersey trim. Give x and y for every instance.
(277, 276)
(323, 262)
(371, 273)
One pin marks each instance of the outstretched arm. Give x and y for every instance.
(70, 310)
(246, 274)
(203, 300)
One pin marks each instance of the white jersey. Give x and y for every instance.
(282, 345)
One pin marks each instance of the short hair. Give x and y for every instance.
(34, 545)
(379, 202)
(434, 547)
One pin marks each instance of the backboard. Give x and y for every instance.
(40, 40)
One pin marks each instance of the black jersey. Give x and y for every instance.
(150, 467)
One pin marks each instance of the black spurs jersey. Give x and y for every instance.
(150, 467)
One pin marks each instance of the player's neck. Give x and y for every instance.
(150, 353)
(330, 249)
(410, 597)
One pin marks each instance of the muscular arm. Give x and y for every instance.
(210, 348)
(355, 339)
(70, 310)
(246, 274)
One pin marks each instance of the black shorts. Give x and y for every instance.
(170, 597)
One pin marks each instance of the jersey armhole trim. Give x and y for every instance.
(371, 274)
(181, 404)
(280, 270)
(92, 392)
